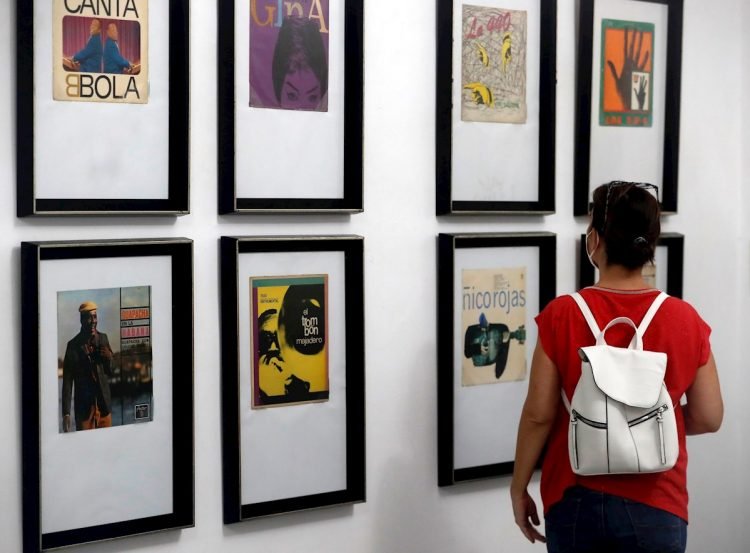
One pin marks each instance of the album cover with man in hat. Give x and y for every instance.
(104, 358)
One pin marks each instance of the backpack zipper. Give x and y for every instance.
(659, 414)
(650, 415)
(660, 419)
(595, 424)
(574, 421)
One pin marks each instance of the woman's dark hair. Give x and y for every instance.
(299, 45)
(626, 215)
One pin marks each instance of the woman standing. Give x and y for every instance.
(631, 512)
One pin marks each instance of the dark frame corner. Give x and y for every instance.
(447, 244)
(353, 178)
(180, 250)
(178, 200)
(444, 202)
(353, 249)
(673, 76)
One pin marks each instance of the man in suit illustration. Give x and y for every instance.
(89, 58)
(87, 367)
(113, 60)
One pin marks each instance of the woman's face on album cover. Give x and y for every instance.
(301, 90)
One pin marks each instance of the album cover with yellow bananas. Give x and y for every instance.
(493, 65)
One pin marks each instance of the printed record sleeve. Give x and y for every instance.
(289, 339)
(101, 51)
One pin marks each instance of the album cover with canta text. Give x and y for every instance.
(100, 51)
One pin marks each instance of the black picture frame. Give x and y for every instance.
(230, 200)
(541, 178)
(177, 200)
(179, 287)
(448, 373)
(673, 242)
(585, 79)
(292, 250)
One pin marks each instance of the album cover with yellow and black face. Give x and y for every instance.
(289, 339)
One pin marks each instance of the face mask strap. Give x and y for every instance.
(586, 245)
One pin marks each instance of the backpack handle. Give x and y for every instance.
(635, 343)
(639, 330)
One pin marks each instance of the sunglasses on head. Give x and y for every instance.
(619, 184)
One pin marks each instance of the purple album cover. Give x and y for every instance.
(289, 54)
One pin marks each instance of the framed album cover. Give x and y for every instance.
(665, 273)
(107, 390)
(495, 112)
(489, 289)
(102, 97)
(628, 98)
(293, 419)
(290, 78)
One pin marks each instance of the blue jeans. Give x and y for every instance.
(586, 521)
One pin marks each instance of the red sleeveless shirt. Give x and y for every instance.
(677, 330)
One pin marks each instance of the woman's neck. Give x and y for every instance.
(618, 277)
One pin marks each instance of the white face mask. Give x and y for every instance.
(589, 254)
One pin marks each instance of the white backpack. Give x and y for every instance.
(621, 417)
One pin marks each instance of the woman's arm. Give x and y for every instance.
(704, 410)
(537, 417)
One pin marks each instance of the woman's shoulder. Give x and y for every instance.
(557, 307)
(677, 307)
(560, 302)
(674, 308)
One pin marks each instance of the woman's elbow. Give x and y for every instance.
(714, 424)
(704, 411)
(539, 415)
(697, 429)
(705, 423)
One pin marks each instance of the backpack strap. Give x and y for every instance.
(587, 314)
(565, 401)
(651, 312)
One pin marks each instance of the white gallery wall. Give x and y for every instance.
(743, 256)
(405, 511)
